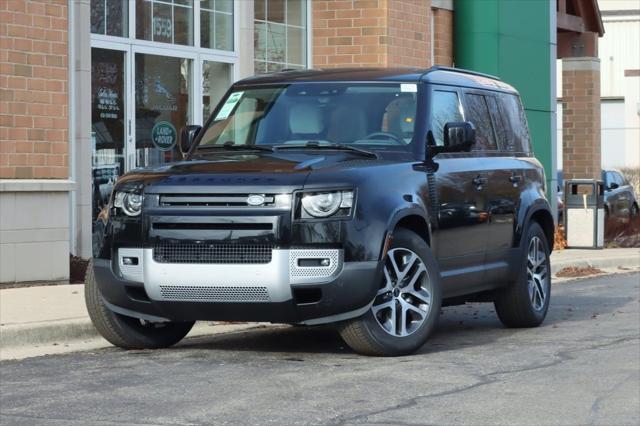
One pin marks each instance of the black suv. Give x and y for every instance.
(368, 198)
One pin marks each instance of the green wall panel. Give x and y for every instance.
(514, 41)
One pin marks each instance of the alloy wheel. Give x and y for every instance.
(403, 303)
(537, 274)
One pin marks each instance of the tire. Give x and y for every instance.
(375, 333)
(128, 332)
(633, 211)
(525, 302)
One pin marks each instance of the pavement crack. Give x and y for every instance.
(485, 379)
(87, 421)
(597, 404)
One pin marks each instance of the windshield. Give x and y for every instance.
(380, 115)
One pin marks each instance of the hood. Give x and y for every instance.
(275, 172)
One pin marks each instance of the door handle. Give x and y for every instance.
(479, 182)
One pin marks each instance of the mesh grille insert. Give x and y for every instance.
(213, 253)
(215, 294)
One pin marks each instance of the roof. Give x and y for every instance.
(433, 75)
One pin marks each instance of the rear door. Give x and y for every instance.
(625, 196)
(459, 242)
(614, 194)
(502, 138)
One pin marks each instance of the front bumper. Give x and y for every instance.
(279, 291)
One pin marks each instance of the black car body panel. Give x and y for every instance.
(471, 207)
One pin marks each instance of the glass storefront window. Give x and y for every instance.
(280, 34)
(165, 21)
(216, 24)
(162, 107)
(110, 17)
(216, 79)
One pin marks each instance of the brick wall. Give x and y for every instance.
(581, 118)
(370, 33)
(443, 37)
(33, 89)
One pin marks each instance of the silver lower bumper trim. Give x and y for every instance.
(230, 283)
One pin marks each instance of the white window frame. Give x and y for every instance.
(130, 45)
(308, 37)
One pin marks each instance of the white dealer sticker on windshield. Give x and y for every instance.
(229, 105)
(409, 87)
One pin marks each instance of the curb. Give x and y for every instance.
(51, 332)
(613, 262)
(79, 330)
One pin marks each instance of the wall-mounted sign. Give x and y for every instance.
(164, 136)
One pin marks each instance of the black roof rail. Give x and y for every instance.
(462, 71)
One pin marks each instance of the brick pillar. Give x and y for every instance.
(581, 118)
(443, 37)
(371, 33)
(33, 89)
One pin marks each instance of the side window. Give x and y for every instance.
(619, 179)
(608, 179)
(516, 136)
(445, 107)
(478, 114)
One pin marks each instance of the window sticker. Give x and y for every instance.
(409, 87)
(229, 105)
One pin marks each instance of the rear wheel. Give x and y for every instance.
(526, 301)
(407, 305)
(128, 332)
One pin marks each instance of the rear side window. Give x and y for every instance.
(516, 133)
(478, 114)
(445, 107)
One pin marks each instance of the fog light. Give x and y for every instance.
(129, 261)
(314, 263)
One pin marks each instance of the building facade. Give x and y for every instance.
(93, 88)
(619, 57)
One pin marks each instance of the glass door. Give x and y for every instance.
(108, 121)
(163, 105)
(216, 80)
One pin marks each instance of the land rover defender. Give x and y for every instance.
(366, 198)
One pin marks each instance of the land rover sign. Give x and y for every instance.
(164, 136)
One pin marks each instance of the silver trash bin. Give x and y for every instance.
(584, 213)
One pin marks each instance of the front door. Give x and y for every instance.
(162, 107)
(462, 214)
(108, 122)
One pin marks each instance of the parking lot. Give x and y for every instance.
(581, 367)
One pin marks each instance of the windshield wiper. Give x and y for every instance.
(333, 146)
(231, 146)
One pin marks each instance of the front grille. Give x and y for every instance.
(213, 253)
(214, 294)
(213, 200)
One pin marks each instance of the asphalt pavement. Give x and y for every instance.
(581, 367)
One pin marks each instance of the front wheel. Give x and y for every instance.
(526, 301)
(128, 332)
(407, 305)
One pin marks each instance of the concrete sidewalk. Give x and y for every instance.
(54, 319)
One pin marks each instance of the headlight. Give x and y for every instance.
(129, 202)
(325, 204)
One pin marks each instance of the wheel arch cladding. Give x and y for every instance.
(545, 220)
(417, 224)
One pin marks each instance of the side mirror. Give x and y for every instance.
(187, 137)
(459, 136)
(613, 185)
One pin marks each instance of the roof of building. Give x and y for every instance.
(434, 75)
